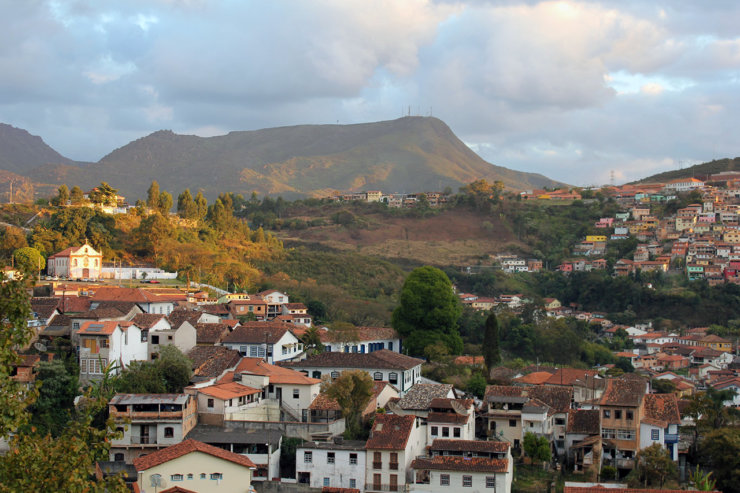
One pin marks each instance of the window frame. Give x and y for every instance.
(444, 479)
(308, 457)
(467, 481)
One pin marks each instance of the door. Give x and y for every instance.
(86, 273)
(376, 482)
(144, 434)
(279, 394)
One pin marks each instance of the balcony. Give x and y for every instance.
(383, 487)
(393, 466)
(671, 438)
(377, 465)
(143, 440)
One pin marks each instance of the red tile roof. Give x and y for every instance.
(470, 445)
(390, 432)
(463, 464)
(95, 328)
(277, 374)
(186, 447)
(259, 332)
(566, 376)
(534, 378)
(147, 320)
(383, 359)
(662, 408)
(229, 390)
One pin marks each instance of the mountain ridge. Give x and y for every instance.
(409, 154)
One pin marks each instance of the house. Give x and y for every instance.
(109, 342)
(297, 313)
(197, 466)
(161, 301)
(217, 400)
(274, 341)
(212, 362)
(660, 422)
(82, 262)
(395, 441)
(399, 370)
(338, 464)
(454, 464)
(159, 332)
(368, 339)
(715, 342)
(418, 399)
(150, 422)
(260, 446)
(451, 418)
(275, 301)
(244, 307)
(622, 411)
(583, 438)
(209, 334)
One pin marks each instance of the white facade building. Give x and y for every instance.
(76, 263)
(339, 464)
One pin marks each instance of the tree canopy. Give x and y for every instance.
(428, 311)
(352, 390)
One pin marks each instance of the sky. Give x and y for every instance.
(577, 91)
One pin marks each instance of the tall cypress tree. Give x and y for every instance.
(491, 352)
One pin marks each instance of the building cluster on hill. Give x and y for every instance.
(398, 200)
(253, 383)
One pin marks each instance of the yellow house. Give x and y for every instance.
(195, 466)
(716, 342)
(595, 238)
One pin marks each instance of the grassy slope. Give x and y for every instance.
(703, 169)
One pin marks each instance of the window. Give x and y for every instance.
(560, 421)
(285, 351)
(444, 479)
(490, 481)
(394, 461)
(202, 475)
(296, 393)
(307, 457)
(190, 476)
(445, 432)
(155, 339)
(330, 458)
(393, 377)
(467, 481)
(512, 423)
(210, 403)
(655, 435)
(618, 414)
(352, 483)
(435, 431)
(630, 415)
(326, 481)
(334, 374)
(608, 433)
(353, 459)
(377, 376)
(217, 475)
(119, 457)
(625, 434)
(607, 413)
(83, 366)
(176, 477)
(316, 374)
(169, 432)
(456, 432)
(144, 336)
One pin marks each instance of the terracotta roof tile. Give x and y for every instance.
(147, 320)
(390, 432)
(623, 391)
(323, 402)
(230, 390)
(421, 395)
(210, 333)
(489, 446)
(259, 332)
(463, 464)
(534, 378)
(276, 374)
(98, 328)
(212, 361)
(584, 421)
(662, 407)
(186, 447)
(566, 376)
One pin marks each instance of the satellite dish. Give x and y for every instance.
(40, 346)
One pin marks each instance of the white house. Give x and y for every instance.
(149, 301)
(684, 184)
(82, 262)
(393, 444)
(255, 339)
(461, 464)
(338, 464)
(159, 332)
(194, 466)
(451, 418)
(660, 422)
(398, 369)
(104, 342)
(215, 401)
(368, 339)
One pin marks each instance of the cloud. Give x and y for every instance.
(570, 89)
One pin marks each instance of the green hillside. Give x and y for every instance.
(405, 155)
(698, 170)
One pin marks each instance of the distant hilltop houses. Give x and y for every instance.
(399, 200)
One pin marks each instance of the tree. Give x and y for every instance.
(312, 341)
(428, 311)
(62, 195)
(662, 386)
(165, 202)
(343, 333)
(11, 240)
(152, 195)
(537, 448)
(201, 205)
(175, 368)
(654, 463)
(103, 194)
(29, 259)
(352, 390)
(491, 353)
(186, 207)
(76, 196)
(720, 452)
(625, 365)
(53, 408)
(477, 385)
(140, 377)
